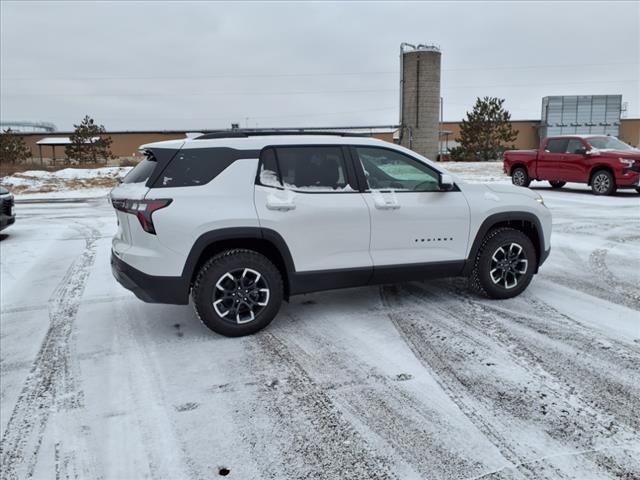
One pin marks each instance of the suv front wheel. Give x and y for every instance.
(237, 292)
(504, 265)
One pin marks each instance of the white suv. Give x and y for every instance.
(241, 221)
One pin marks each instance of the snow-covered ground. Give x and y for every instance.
(65, 183)
(417, 380)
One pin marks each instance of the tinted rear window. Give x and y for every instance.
(197, 166)
(141, 172)
(557, 145)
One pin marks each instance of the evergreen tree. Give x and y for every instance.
(486, 132)
(12, 148)
(83, 148)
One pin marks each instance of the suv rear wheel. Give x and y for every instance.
(520, 177)
(603, 183)
(504, 265)
(237, 292)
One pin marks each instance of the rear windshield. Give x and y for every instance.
(193, 167)
(142, 171)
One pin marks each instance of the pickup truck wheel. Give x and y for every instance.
(504, 265)
(520, 177)
(603, 183)
(237, 292)
(557, 184)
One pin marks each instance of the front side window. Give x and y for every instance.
(557, 145)
(305, 169)
(575, 146)
(388, 170)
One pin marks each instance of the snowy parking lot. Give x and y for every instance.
(408, 381)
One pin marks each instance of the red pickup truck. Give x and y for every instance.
(603, 162)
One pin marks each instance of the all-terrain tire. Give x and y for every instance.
(483, 281)
(224, 267)
(557, 184)
(603, 183)
(520, 177)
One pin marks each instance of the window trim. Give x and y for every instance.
(350, 175)
(362, 179)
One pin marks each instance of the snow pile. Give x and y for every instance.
(68, 182)
(477, 172)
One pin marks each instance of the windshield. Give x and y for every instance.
(608, 143)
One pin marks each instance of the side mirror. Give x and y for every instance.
(446, 182)
(581, 151)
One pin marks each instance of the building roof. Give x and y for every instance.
(52, 141)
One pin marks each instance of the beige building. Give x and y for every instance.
(125, 144)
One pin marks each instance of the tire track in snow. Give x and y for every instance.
(50, 384)
(427, 339)
(311, 438)
(583, 391)
(598, 264)
(411, 430)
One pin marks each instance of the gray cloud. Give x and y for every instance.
(164, 65)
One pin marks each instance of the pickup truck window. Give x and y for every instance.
(575, 146)
(557, 145)
(608, 143)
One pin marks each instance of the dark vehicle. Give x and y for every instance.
(602, 162)
(7, 215)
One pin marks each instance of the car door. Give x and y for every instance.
(308, 195)
(550, 162)
(412, 221)
(574, 165)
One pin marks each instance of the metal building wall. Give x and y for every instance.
(420, 100)
(583, 114)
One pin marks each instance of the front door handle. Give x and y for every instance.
(385, 200)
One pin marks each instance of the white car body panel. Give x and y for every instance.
(324, 231)
(418, 227)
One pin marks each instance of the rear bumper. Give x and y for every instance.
(150, 288)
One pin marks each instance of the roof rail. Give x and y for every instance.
(266, 132)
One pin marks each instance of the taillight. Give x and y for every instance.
(142, 209)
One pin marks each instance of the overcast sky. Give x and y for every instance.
(163, 65)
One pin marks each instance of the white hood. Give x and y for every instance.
(506, 188)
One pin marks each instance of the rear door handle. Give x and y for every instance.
(387, 206)
(281, 204)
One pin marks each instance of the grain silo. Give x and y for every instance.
(420, 98)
